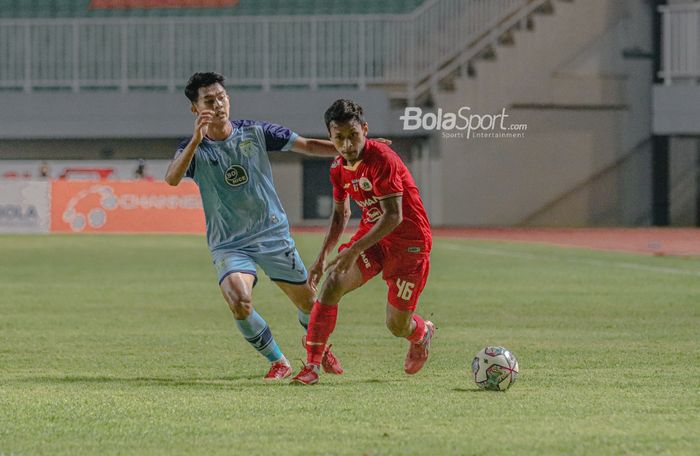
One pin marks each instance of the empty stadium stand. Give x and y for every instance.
(81, 8)
(574, 73)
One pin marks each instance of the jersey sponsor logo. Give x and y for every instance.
(373, 215)
(236, 175)
(367, 202)
(365, 260)
(365, 184)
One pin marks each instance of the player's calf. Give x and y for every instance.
(400, 322)
(399, 328)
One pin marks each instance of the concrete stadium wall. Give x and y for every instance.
(684, 181)
(677, 109)
(584, 159)
(136, 115)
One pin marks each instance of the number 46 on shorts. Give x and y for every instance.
(405, 289)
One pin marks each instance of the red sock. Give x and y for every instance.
(321, 325)
(419, 332)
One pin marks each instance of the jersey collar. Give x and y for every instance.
(233, 131)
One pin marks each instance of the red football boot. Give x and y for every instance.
(307, 376)
(329, 363)
(418, 353)
(278, 371)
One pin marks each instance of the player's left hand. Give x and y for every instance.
(344, 260)
(315, 273)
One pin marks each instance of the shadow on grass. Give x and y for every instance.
(472, 390)
(223, 382)
(215, 382)
(379, 380)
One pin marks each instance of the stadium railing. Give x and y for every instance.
(400, 51)
(680, 47)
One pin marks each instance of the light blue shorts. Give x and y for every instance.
(278, 258)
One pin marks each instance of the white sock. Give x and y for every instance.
(283, 359)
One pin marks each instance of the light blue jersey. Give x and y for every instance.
(245, 221)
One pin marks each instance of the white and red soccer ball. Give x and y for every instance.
(495, 369)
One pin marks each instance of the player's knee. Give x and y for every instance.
(241, 306)
(241, 310)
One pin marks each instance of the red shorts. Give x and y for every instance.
(403, 270)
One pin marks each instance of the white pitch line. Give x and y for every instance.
(644, 267)
(532, 256)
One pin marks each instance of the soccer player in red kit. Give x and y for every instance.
(393, 238)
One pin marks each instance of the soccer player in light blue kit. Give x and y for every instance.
(246, 224)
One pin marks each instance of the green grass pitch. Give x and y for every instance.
(123, 345)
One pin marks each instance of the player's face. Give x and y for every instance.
(215, 99)
(348, 138)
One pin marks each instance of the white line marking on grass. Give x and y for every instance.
(532, 256)
(644, 267)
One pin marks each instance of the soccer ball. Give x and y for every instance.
(495, 369)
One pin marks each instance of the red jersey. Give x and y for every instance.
(381, 174)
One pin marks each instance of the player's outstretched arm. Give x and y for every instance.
(317, 147)
(321, 147)
(339, 220)
(392, 216)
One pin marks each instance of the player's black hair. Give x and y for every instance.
(198, 80)
(344, 111)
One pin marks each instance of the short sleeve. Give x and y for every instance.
(190, 169)
(277, 137)
(386, 178)
(339, 193)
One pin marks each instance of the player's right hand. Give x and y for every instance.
(201, 125)
(315, 273)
